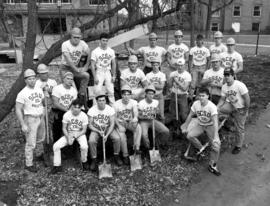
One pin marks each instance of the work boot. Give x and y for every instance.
(85, 166)
(236, 150)
(117, 160)
(56, 169)
(31, 168)
(93, 165)
(126, 161)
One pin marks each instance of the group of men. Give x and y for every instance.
(209, 74)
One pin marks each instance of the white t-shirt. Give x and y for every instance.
(199, 55)
(231, 60)
(51, 83)
(204, 113)
(75, 52)
(158, 78)
(216, 78)
(31, 98)
(183, 78)
(217, 49)
(75, 123)
(149, 53)
(66, 96)
(234, 93)
(103, 58)
(101, 118)
(177, 52)
(133, 79)
(125, 111)
(148, 111)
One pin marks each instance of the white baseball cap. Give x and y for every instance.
(230, 41)
(181, 62)
(29, 73)
(218, 34)
(178, 33)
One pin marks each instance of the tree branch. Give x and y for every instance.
(202, 2)
(222, 6)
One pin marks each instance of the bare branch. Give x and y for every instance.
(203, 2)
(222, 6)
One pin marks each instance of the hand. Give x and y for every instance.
(122, 129)
(96, 80)
(113, 79)
(25, 129)
(105, 138)
(134, 120)
(70, 139)
(184, 128)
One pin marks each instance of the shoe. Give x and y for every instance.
(236, 150)
(85, 166)
(56, 169)
(117, 160)
(40, 158)
(213, 169)
(31, 169)
(93, 165)
(126, 161)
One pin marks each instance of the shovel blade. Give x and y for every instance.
(104, 170)
(154, 156)
(135, 162)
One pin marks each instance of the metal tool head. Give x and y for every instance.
(135, 162)
(104, 171)
(154, 156)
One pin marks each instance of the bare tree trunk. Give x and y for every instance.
(155, 12)
(192, 24)
(209, 18)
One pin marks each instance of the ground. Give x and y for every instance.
(159, 185)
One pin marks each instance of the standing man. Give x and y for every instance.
(232, 58)
(62, 96)
(179, 83)
(134, 77)
(102, 121)
(157, 79)
(72, 51)
(218, 47)
(149, 52)
(30, 111)
(148, 108)
(198, 62)
(103, 67)
(214, 78)
(176, 51)
(206, 121)
(126, 110)
(74, 128)
(235, 100)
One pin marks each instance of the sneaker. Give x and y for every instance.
(213, 169)
(31, 168)
(117, 160)
(93, 165)
(236, 150)
(85, 166)
(56, 169)
(126, 161)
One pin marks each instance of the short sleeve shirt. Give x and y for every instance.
(204, 113)
(51, 83)
(149, 53)
(75, 123)
(216, 78)
(157, 78)
(177, 52)
(217, 49)
(231, 60)
(66, 96)
(31, 98)
(234, 93)
(148, 110)
(133, 79)
(184, 77)
(199, 55)
(125, 111)
(75, 52)
(103, 58)
(101, 118)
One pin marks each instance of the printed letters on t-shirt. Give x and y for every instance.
(125, 114)
(149, 112)
(36, 99)
(101, 120)
(199, 55)
(75, 125)
(177, 52)
(133, 81)
(228, 61)
(105, 60)
(231, 95)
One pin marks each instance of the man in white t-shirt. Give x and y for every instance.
(235, 100)
(198, 62)
(134, 77)
(179, 83)
(149, 52)
(148, 109)
(176, 51)
(206, 121)
(218, 47)
(126, 110)
(30, 113)
(157, 79)
(103, 67)
(72, 51)
(102, 122)
(232, 58)
(62, 96)
(213, 78)
(74, 128)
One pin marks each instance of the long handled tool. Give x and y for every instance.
(135, 162)
(105, 170)
(154, 154)
(177, 115)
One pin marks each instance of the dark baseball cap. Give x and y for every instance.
(229, 71)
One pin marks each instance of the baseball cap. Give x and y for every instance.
(178, 33)
(29, 73)
(133, 59)
(76, 32)
(230, 41)
(68, 74)
(180, 62)
(150, 88)
(42, 68)
(215, 58)
(155, 60)
(126, 88)
(100, 94)
(152, 35)
(229, 71)
(218, 34)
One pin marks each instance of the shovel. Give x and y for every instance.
(105, 170)
(177, 115)
(135, 162)
(154, 154)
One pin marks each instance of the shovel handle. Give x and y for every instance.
(154, 134)
(176, 106)
(104, 150)
(46, 121)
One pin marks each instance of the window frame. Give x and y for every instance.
(217, 26)
(260, 10)
(96, 4)
(234, 11)
(218, 12)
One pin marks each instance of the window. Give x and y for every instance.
(52, 25)
(9, 1)
(236, 11)
(216, 14)
(257, 11)
(215, 27)
(55, 1)
(255, 27)
(96, 2)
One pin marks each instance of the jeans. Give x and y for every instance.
(197, 75)
(182, 106)
(160, 99)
